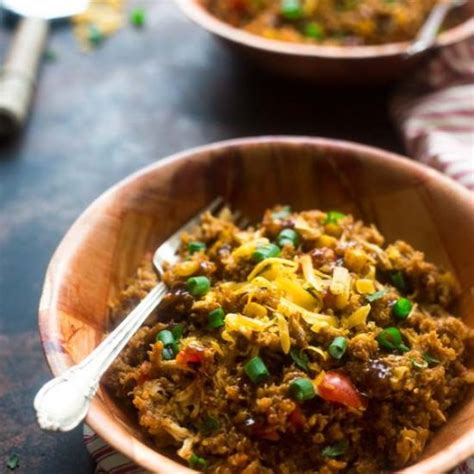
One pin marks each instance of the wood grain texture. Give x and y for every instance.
(106, 243)
(323, 64)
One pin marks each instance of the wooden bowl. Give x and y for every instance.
(322, 64)
(105, 245)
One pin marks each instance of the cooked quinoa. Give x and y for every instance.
(303, 344)
(338, 22)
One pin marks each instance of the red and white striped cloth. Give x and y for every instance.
(435, 113)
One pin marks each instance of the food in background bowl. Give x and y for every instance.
(331, 22)
(294, 346)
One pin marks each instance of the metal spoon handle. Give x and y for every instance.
(62, 403)
(427, 35)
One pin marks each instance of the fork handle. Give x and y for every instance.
(427, 35)
(62, 403)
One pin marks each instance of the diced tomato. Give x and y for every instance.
(296, 419)
(266, 432)
(337, 387)
(190, 356)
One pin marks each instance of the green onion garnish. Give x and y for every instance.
(209, 425)
(215, 319)
(166, 337)
(419, 364)
(198, 286)
(196, 247)
(314, 30)
(398, 280)
(291, 9)
(335, 450)
(430, 359)
(332, 217)
(170, 346)
(265, 251)
(302, 389)
(402, 308)
(288, 236)
(283, 213)
(256, 370)
(137, 17)
(177, 331)
(391, 338)
(197, 462)
(338, 347)
(300, 359)
(375, 296)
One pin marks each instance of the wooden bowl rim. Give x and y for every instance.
(199, 15)
(49, 316)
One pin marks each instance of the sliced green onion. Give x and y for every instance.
(398, 280)
(288, 236)
(168, 353)
(177, 331)
(197, 462)
(402, 308)
(391, 338)
(335, 450)
(338, 347)
(215, 319)
(302, 389)
(376, 296)
(209, 425)
(265, 251)
(300, 359)
(196, 247)
(283, 213)
(332, 217)
(291, 9)
(430, 359)
(137, 17)
(256, 370)
(166, 337)
(198, 286)
(314, 30)
(419, 364)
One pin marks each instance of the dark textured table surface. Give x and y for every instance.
(100, 116)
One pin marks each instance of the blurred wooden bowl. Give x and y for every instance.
(323, 64)
(105, 245)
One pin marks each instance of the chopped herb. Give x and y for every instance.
(338, 347)
(198, 286)
(302, 389)
(209, 425)
(391, 338)
(177, 331)
(288, 236)
(335, 450)
(376, 296)
(138, 17)
(314, 30)
(300, 359)
(283, 213)
(398, 281)
(430, 359)
(196, 247)
(332, 217)
(13, 461)
(291, 9)
(256, 370)
(197, 462)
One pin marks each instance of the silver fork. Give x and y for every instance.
(62, 403)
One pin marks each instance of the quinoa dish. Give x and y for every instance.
(329, 22)
(302, 344)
